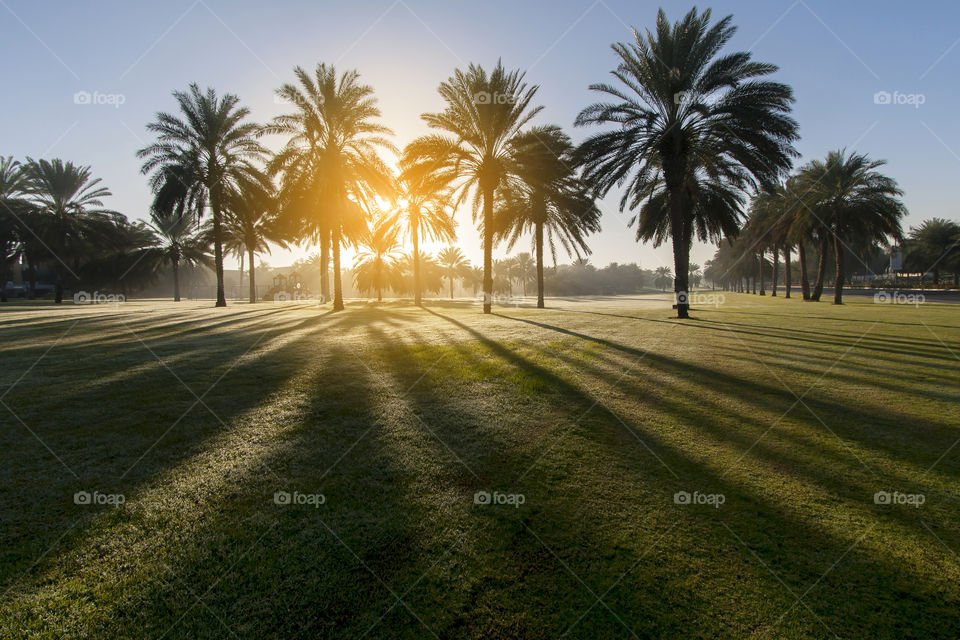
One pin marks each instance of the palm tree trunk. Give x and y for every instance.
(253, 282)
(763, 290)
(487, 248)
(3, 282)
(451, 284)
(240, 287)
(681, 266)
(176, 279)
(776, 267)
(821, 266)
(787, 276)
(539, 249)
(58, 288)
(804, 279)
(337, 290)
(32, 295)
(325, 265)
(417, 299)
(218, 252)
(838, 256)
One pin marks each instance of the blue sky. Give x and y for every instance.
(836, 55)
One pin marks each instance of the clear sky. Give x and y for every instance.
(837, 55)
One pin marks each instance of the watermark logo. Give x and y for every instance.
(286, 498)
(85, 297)
(285, 296)
(700, 298)
(485, 97)
(487, 498)
(711, 499)
(684, 97)
(896, 497)
(501, 299)
(898, 98)
(97, 498)
(896, 297)
(114, 100)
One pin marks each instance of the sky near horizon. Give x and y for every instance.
(878, 78)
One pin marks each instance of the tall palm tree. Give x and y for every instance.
(69, 201)
(855, 203)
(252, 223)
(932, 245)
(455, 264)
(549, 200)
(475, 150)
(693, 130)
(425, 208)
(211, 147)
(333, 153)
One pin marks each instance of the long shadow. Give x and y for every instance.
(839, 319)
(926, 435)
(132, 439)
(282, 572)
(705, 324)
(752, 508)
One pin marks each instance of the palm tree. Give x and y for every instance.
(252, 223)
(377, 267)
(333, 154)
(662, 277)
(550, 200)
(933, 244)
(14, 186)
(431, 274)
(455, 264)
(692, 132)
(855, 204)
(71, 213)
(473, 278)
(178, 241)
(695, 275)
(525, 269)
(424, 205)
(476, 151)
(211, 149)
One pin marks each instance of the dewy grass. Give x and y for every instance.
(771, 468)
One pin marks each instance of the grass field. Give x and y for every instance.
(781, 420)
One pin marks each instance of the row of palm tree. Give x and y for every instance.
(688, 131)
(838, 207)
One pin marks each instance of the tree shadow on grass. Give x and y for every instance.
(399, 505)
(117, 440)
(803, 539)
(927, 438)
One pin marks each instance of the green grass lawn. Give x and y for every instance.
(592, 414)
